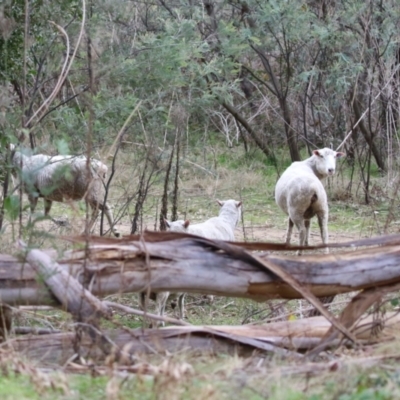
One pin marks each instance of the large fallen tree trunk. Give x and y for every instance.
(176, 263)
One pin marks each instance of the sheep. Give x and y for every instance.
(63, 178)
(218, 228)
(301, 195)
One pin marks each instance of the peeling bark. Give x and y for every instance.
(184, 263)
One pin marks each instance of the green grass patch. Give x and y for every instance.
(15, 386)
(190, 376)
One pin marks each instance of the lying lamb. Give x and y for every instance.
(301, 195)
(218, 228)
(63, 178)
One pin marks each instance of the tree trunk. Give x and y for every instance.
(290, 132)
(368, 136)
(258, 139)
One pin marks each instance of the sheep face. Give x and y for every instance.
(325, 161)
(177, 226)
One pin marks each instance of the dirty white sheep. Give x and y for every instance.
(216, 228)
(63, 178)
(301, 195)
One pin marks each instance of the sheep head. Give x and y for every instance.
(177, 226)
(222, 203)
(325, 161)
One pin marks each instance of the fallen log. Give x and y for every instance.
(73, 297)
(184, 263)
(293, 335)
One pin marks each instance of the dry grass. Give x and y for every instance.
(351, 375)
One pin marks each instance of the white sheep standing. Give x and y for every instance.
(301, 195)
(217, 228)
(63, 178)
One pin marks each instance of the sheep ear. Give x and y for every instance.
(340, 154)
(221, 203)
(238, 204)
(317, 153)
(168, 223)
(186, 223)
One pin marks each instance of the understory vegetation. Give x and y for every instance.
(204, 377)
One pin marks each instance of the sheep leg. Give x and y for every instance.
(181, 305)
(303, 235)
(108, 212)
(289, 231)
(307, 225)
(324, 300)
(95, 213)
(32, 202)
(323, 226)
(301, 226)
(161, 302)
(47, 206)
(143, 299)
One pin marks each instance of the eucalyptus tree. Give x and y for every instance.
(274, 73)
(33, 45)
(375, 28)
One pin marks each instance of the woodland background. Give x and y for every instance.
(283, 77)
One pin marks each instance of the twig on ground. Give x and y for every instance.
(140, 313)
(25, 330)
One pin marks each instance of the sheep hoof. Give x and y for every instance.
(61, 221)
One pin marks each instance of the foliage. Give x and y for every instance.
(289, 68)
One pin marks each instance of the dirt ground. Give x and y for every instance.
(253, 233)
(265, 234)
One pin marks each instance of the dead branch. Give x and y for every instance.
(301, 334)
(129, 310)
(353, 312)
(307, 294)
(85, 308)
(66, 67)
(27, 330)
